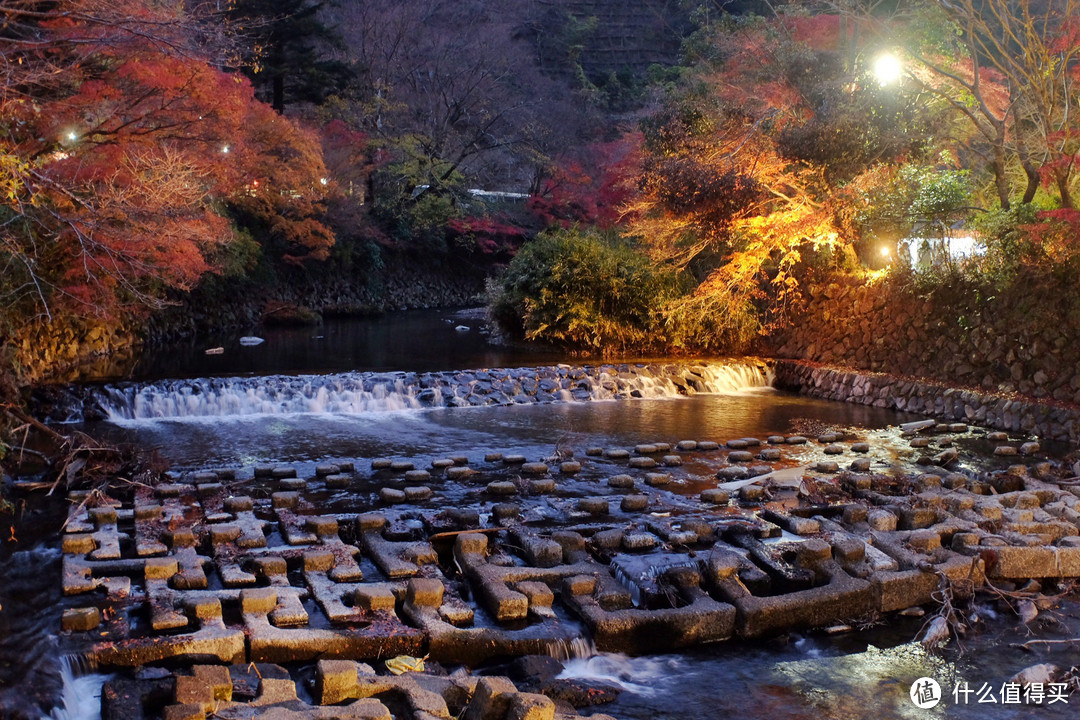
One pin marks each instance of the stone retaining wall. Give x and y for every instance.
(1002, 411)
(1023, 339)
(47, 350)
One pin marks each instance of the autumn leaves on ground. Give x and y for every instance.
(684, 207)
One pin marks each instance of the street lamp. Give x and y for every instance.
(888, 69)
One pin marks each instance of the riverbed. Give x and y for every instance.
(850, 672)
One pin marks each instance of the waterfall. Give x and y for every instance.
(574, 648)
(644, 676)
(81, 699)
(364, 393)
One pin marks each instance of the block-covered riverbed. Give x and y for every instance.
(473, 559)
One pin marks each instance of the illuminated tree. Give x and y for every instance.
(1007, 68)
(123, 146)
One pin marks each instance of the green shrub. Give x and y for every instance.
(585, 289)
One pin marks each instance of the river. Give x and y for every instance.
(353, 390)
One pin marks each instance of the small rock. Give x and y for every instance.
(1042, 674)
(392, 495)
(1005, 450)
(541, 486)
(860, 465)
(716, 495)
(418, 494)
(620, 481)
(733, 472)
(459, 472)
(639, 541)
(752, 493)
(1029, 448)
(593, 506)
(656, 479)
(502, 487)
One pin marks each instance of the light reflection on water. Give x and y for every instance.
(533, 430)
(812, 678)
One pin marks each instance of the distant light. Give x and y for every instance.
(72, 136)
(225, 149)
(885, 251)
(255, 183)
(323, 180)
(888, 69)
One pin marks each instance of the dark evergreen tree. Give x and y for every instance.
(289, 54)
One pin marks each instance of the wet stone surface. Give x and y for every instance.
(523, 556)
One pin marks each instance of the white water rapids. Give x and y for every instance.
(364, 393)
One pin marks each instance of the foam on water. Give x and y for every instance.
(82, 690)
(368, 393)
(644, 676)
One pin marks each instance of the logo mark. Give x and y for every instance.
(925, 693)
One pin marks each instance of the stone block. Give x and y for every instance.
(491, 701)
(335, 681)
(530, 706)
(80, 619)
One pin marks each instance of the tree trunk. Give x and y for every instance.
(1032, 173)
(1001, 182)
(279, 94)
(1062, 178)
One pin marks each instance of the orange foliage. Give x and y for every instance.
(126, 149)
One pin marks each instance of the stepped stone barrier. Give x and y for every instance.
(266, 566)
(366, 392)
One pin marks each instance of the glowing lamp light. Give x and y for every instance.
(885, 252)
(888, 69)
(72, 136)
(225, 149)
(323, 180)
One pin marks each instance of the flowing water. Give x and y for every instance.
(400, 386)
